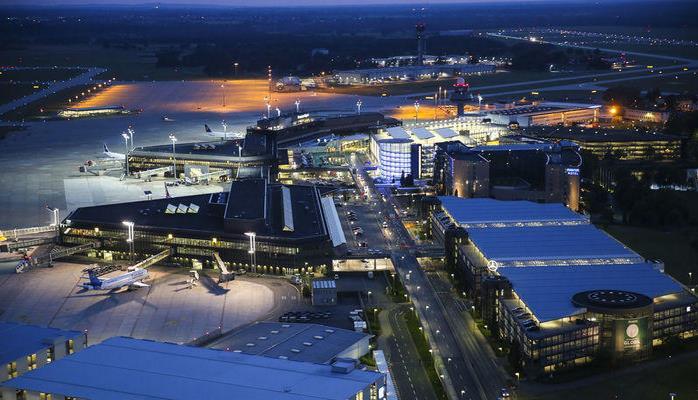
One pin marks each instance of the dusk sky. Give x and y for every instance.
(267, 2)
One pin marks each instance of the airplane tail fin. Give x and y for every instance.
(94, 280)
(207, 128)
(106, 149)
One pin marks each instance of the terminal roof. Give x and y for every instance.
(211, 208)
(130, 369)
(17, 340)
(490, 211)
(297, 342)
(548, 291)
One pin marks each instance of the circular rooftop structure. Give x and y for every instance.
(611, 300)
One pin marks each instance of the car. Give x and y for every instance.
(505, 393)
(362, 244)
(336, 276)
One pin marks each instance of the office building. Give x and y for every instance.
(545, 114)
(621, 144)
(410, 150)
(557, 288)
(269, 228)
(369, 76)
(125, 369)
(516, 169)
(324, 292)
(564, 316)
(25, 348)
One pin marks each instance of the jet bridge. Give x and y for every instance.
(212, 175)
(152, 260)
(226, 275)
(54, 254)
(148, 175)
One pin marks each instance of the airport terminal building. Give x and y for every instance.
(269, 228)
(131, 369)
(556, 287)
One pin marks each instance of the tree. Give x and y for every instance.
(623, 95)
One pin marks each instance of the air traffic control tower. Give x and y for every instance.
(460, 95)
(420, 28)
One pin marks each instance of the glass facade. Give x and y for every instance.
(394, 157)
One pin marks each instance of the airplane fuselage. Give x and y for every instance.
(127, 279)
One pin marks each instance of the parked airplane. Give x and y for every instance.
(111, 154)
(224, 133)
(131, 279)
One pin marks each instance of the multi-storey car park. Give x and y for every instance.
(271, 228)
(556, 287)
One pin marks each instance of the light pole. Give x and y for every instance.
(223, 88)
(358, 106)
(126, 137)
(690, 278)
(416, 111)
(436, 104)
(129, 239)
(298, 106)
(55, 216)
(479, 102)
(252, 250)
(130, 133)
(174, 160)
(278, 112)
(235, 65)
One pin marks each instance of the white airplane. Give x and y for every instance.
(131, 279)
(224, 133)
(111, 154)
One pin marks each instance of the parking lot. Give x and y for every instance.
(168, 310)
(363, 228)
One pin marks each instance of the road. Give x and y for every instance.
(406, 369)
(82, 79)
(454, 349)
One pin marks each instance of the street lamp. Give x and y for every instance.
(358, 106)
(479, 102)
(126, 137)
(236, 68)
(130, 133)
(174, 160)
(252, 250)
(416, 110)
(278, 112)
(298, 106)
(223, 90)
(129, 239)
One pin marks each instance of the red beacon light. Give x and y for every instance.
(461, 83)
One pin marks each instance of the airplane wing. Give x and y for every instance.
(139, 284)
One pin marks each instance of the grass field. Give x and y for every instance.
(12, 91)
(124, 64)
(679, 378)
(670, 83)
(39, 75)
(671, 247)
